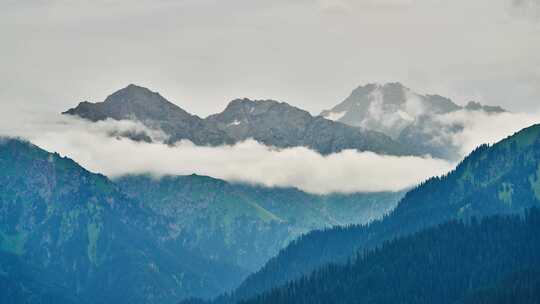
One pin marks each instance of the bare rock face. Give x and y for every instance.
(269, 122)
(140, 104)
(282, 125)
(476, 106)
(410, 118)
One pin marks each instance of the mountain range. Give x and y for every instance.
(269, 122)
(387, 119)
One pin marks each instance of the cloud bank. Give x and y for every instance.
(481, 128)
(97, 147)
(92, 146)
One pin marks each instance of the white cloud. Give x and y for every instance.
(390, 118)
(480, 127)
(91, 145)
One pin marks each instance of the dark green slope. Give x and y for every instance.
(498, 179)
(149, 240)
(444, 265)
(18, 284)
(522, 286)
(245, 225)
(78, 232)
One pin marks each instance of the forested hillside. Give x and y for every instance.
(245, 225)
(522, 286)
(484, 261)
(66, 233)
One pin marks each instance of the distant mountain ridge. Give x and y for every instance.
(269, 122)
(383, 118)
(408, 117)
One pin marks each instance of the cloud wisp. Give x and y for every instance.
(479, 128)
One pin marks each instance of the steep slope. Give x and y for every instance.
(410, 118)
(269, 122)
(439, 265)
(245, 225)
(499, 179)
(73, 229)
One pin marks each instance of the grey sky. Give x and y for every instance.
(202, 53)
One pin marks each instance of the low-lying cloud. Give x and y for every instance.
(479, 127)
(95, 146)
(92, 146)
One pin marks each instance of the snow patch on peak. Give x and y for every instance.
(335, 116)
(236, 122)
(405, 116)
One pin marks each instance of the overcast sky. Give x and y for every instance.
(201, 53)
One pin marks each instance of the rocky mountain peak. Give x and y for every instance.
(246, 109)
(393, 93)
(476, 106)
(250, 104)
(392, 107)
(255, 105)
(133, 90)
(388, 86)
(134, 94)
(386, 108)
(131, 102)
